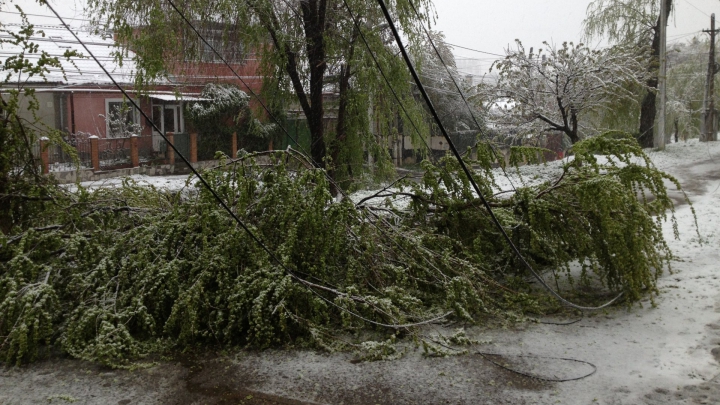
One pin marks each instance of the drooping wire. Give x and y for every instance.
(462, 95)
(309, 286)
(474, 50)
(469, 175)
(486, 356)
(225, 62)
(308, 156)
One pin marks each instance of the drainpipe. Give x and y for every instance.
(72, 112)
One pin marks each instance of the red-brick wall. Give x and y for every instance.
(201, 73)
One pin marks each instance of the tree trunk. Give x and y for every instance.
(342, 119)
(648, 109)
(573, 133)
(314, 25)
(314, 13)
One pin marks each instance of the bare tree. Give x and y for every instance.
(538, 93)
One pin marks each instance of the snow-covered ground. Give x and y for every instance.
(663, 355)
(171, 183)
(666, 354)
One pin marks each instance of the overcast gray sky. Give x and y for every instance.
(486, 25)
(490, 25)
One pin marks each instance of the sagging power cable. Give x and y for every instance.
(462, 94)
(235, 73)
(469, 175)
(307, 156)
(308, 285)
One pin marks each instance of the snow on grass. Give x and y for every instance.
(170, 183)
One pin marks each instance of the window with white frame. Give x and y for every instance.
(121, 118)
(168, 117)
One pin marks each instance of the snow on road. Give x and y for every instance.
(663, 355)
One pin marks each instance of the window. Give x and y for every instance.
(121, 119)
(168, 117)
(230, 49)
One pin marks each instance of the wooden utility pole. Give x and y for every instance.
(708, 133)
(659, 140)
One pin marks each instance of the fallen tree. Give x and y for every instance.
(113, 274)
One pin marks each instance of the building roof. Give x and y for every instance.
(80, 70)
(176, 97)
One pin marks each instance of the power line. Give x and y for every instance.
(696, 8)
(466, 170)
(685, 34)
(249, 232)
(46, 16)
(471, 49)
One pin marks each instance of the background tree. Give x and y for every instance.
(23, 189)
(553, 92)
(308, 49)
(632, 23)
(450, 107)
(687, 76)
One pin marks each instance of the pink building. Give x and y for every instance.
(82, 101)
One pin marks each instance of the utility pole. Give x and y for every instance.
(659, 141)
(709, 133)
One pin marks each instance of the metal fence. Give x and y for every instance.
(76, 151)
(182, 143)
(113, 153)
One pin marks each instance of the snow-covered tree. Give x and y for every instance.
(120, 122)
(687, 74)
(438, 79)
(553, 91)
(632, 23)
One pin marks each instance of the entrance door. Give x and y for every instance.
(170, 118)
(167, 117)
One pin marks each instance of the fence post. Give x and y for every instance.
(134, 153)
(44, 155)
(170, 152)
(95, 152)
(233, 151)
(193, 147)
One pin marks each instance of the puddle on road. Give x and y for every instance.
(209, 381)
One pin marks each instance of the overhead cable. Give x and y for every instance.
(310, 286)
(469, 175)
(457, 86)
